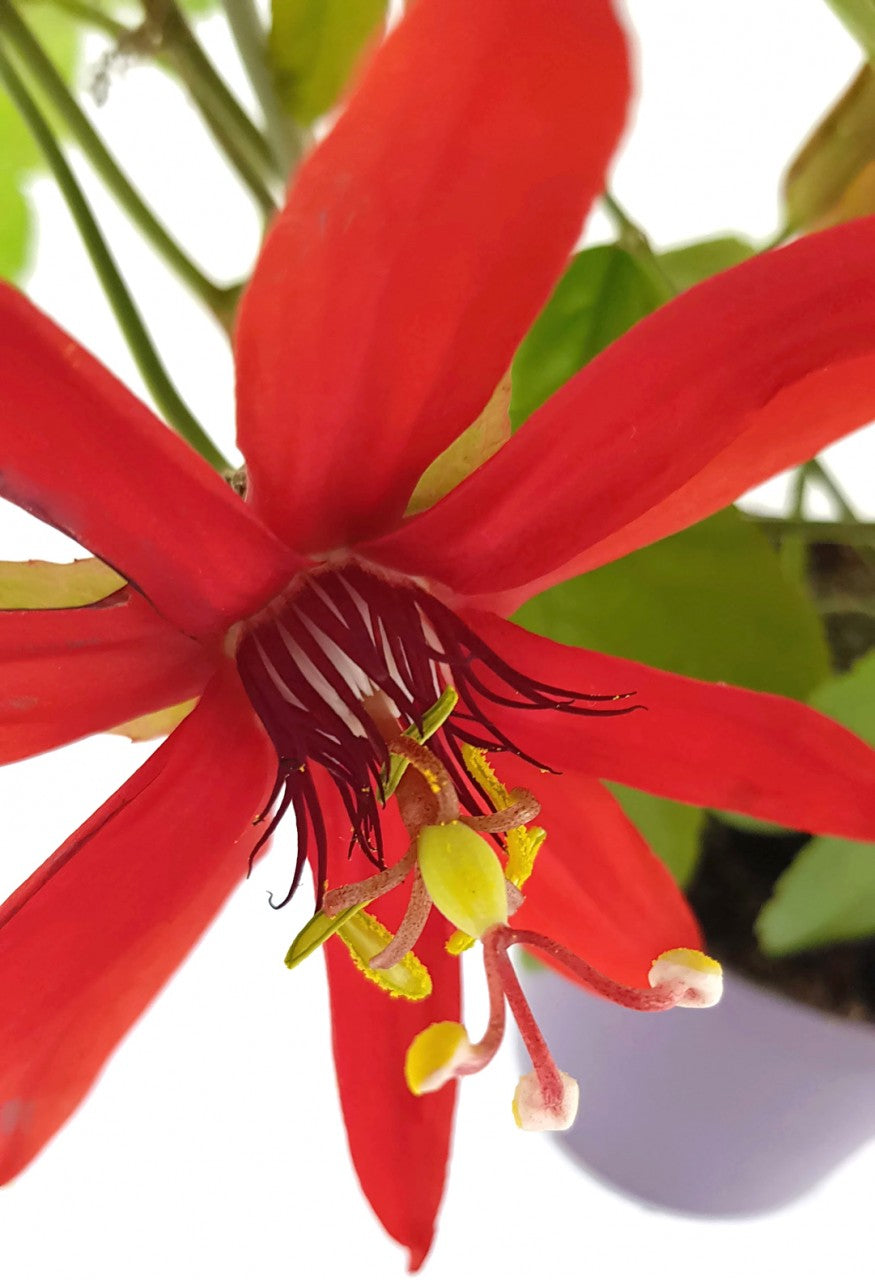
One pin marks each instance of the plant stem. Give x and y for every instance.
(849, 533)
(173, 35)
(132, 40)
(32, 57)
(633, 239)
(287, 140)
(818, 472)
(148, 362)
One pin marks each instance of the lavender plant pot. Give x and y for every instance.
(735, 1110)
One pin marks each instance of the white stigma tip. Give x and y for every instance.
(694, 978)
(531, 1111)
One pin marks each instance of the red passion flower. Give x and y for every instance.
(337, 633)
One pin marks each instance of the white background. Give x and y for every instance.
(213, 1146)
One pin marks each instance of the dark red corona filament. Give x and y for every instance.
(339, 637)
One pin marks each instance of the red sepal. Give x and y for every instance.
(66, 673)
(95, 933)
(707, 744)
(418, 244)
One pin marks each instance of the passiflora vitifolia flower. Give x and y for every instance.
(343, 628)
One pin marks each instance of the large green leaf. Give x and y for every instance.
(710, 602)
(603, 293)
(313, 47)
(672, 830)
(689, 263)
(850, 698)
(19, 155)
(827, 894)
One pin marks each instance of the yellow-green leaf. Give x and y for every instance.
(470, 450)
(314, 46)
(827, 181)
(39, 584)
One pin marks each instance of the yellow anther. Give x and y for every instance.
(484, 775)
(697, 978)
(435, 1056)
(523, 843)
(365, 937)
(463, 876)
(458, 943)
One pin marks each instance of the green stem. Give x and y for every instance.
(154, 375)
(287, 140)
(823, 477)
(633, 239)
(849, 533)
(126, 38)
(44, 74)
(173, 35)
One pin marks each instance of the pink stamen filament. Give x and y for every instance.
(495, 945)
(525, 809)
(488, 1046)
(410, 928)
(435, 774)
(350, 895)
(645, 1000)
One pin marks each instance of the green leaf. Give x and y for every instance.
(859, 18)
(19, 155)
(690, 263)
(826, 895)
(710, 602)
(313, 48)
(850, 698)
(603, 293)
(672, 830)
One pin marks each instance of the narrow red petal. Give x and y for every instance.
(65, 673)
(95, 933)
(85, 455)
(399, 1144)
(417, 246)
(597, 888)
(707, 744)
(750, 372)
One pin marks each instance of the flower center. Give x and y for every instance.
(346, 660)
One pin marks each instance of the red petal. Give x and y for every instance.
(95, 933)
(85, 455)
(750, 372)
(708, 744)
(399, 1144)
(65, 673)
(418, 244)
(597, 888)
